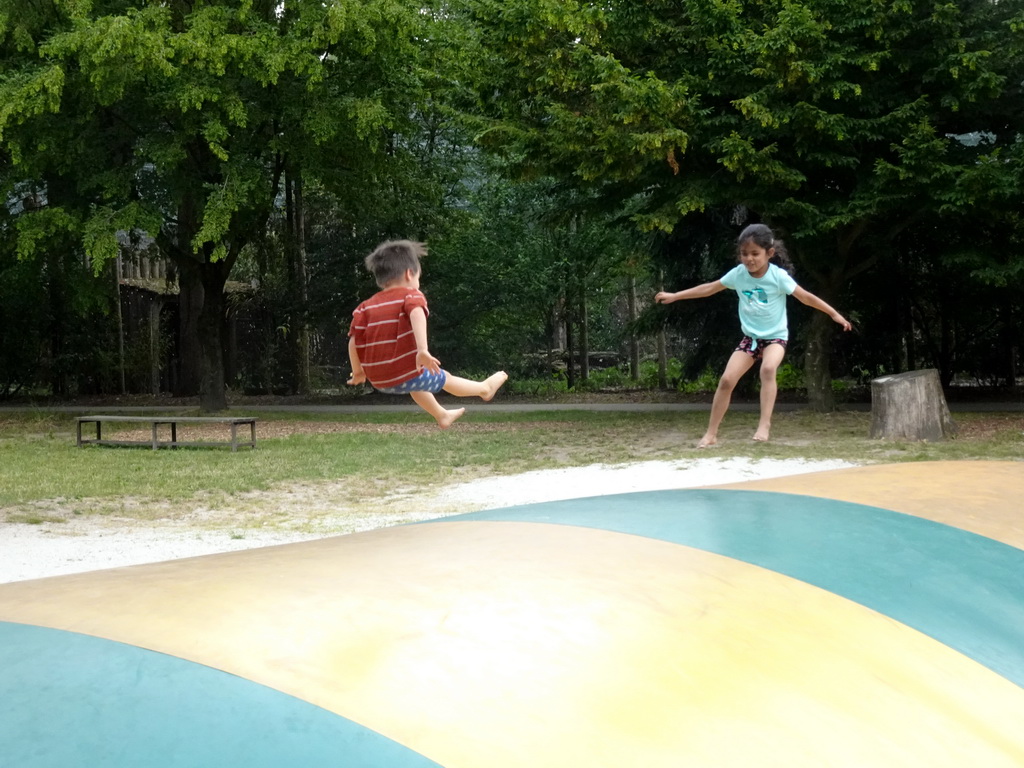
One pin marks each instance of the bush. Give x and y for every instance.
(538, 387)
(649, 373)
(606, 378)
(790, 377)
(706, 382)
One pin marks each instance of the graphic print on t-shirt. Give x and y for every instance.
(757, 295)
(757, 302)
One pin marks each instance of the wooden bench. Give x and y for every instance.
(156, 421)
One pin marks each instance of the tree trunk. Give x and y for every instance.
(57, 325)
(584, 326)
(176, 244)
(120, 324)
(302, 291)
(558, 325)
(212, 390)
(1012, 361)
(634, 344)
(570, 361)
(661, 345)
(910, 406)
(662, 361)
(190, 307)
(154, 347)
(1009, 340)
(817, 364)
(59, 192)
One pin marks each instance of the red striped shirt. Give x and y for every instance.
(383, 334)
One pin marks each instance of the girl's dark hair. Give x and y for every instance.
(390, 260)
(762, 235)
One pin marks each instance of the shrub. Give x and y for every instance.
(706, 382)
(790, 377)
(649, 373)
(606, 378)
(538, 387)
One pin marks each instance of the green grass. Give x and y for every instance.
(39, 461)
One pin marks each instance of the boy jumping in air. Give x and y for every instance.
(387, 341)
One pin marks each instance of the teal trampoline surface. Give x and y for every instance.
(69, 700)
(965, 590)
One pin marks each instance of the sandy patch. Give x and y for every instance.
(68, 544)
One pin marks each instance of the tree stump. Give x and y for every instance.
(910, 406)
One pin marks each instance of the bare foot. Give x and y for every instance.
(450, 417)
(761, 436)
(493, 384)
(707, 441)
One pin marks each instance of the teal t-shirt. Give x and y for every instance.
(762, 300)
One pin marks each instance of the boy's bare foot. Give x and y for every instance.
(761, 436)
(450, 417)
(493, 384)
(707, 441)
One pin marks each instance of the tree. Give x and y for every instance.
(179, 119)
(838, 123)
(525, 273)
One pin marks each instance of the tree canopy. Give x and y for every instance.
(883, 141)
(179, 119)
(838, 123)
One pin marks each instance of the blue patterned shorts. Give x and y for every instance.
(425, 382)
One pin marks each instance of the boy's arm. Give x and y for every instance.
(418, 319)
(808, 298)
(697, 292)
(358, 376)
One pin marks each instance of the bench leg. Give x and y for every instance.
(234, 437)
(174, 434)
(155, 443)
(79, 441)
(252, 425)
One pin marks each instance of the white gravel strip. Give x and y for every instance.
(90, 543)
(604, 479)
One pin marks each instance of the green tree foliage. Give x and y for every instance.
(531, 266)
(838, 123)
(180, 118)
(422, 196)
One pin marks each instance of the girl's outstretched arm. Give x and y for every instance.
(697, 292)
(808, 298)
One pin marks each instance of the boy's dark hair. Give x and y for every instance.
(391, 259)
(763, 236)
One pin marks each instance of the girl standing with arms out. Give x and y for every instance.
(761, 287)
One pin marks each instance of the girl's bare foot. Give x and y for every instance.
(493, 383)
(450, 417)
(761, 436)
(707, 441)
